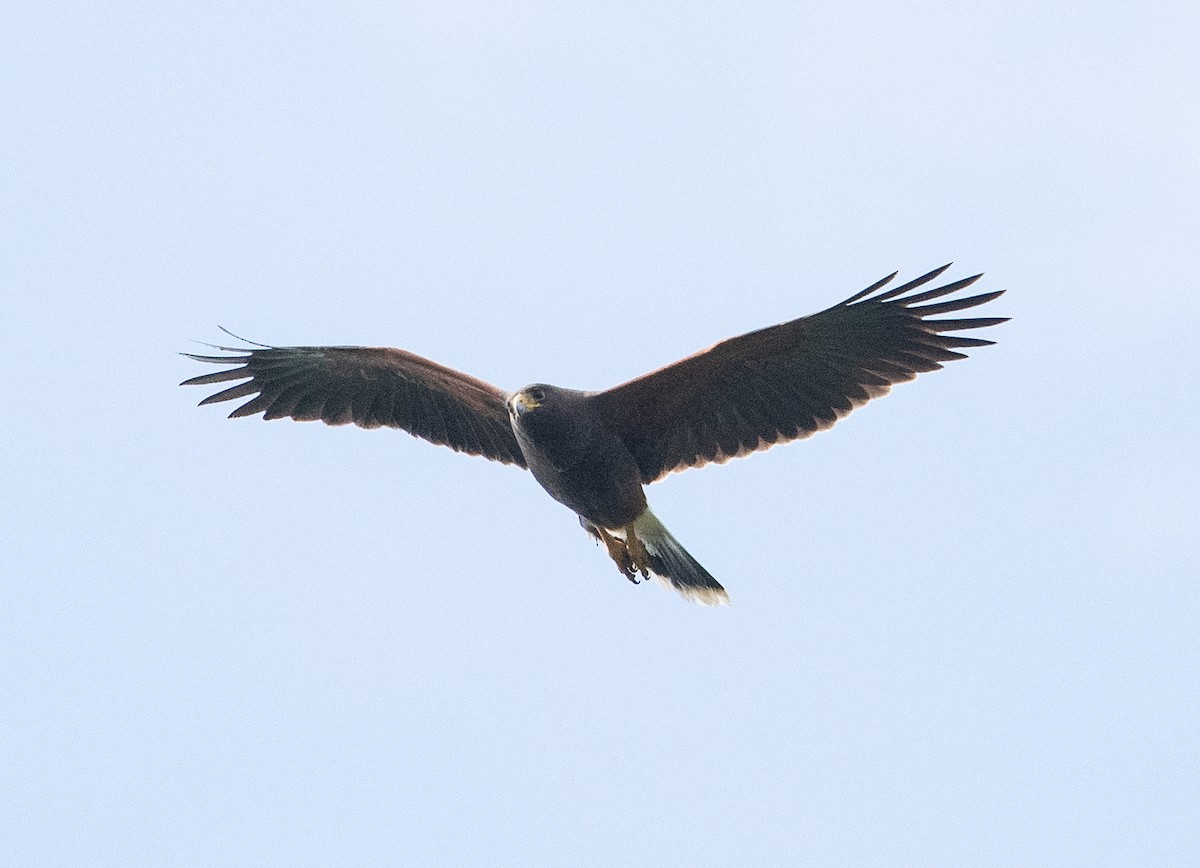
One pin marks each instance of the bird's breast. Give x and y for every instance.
(597, 477)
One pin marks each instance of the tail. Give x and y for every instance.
(673, 567)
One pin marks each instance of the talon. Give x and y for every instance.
(636, 551)
(625, 565)
(617, 551)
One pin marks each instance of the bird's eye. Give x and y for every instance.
(538, 395)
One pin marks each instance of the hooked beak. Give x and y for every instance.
(522, 404)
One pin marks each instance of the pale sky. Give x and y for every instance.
(966, 623)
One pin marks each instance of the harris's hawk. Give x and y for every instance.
(594, 451)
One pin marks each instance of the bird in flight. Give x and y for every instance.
(594, 451)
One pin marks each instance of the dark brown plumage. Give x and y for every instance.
(593, 451)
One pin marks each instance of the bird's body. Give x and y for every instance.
(583, 463)
(579, 460)
(594, 451)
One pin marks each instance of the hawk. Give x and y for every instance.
(595, 451)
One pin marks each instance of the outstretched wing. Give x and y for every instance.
(370, 387)
(788, 381)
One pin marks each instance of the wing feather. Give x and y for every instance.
(789, 381)
(369, 387)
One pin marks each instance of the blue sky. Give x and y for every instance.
(965, 624)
